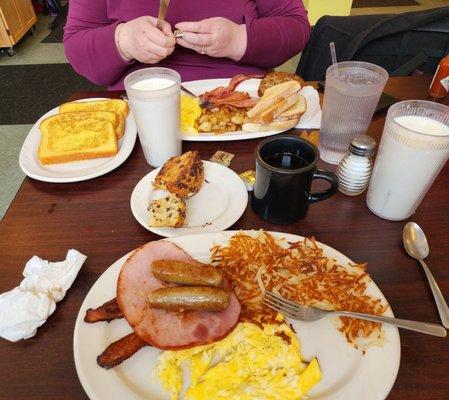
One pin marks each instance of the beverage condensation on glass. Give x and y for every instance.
(154, 98)
(353, 89)
(413, 150)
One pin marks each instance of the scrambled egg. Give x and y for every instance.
(190, 112)
(250, 363)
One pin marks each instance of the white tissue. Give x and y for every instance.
(27, 307)
(54, 279)
(311, 119)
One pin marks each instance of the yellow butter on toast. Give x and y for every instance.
(64, 139)
(119, 107)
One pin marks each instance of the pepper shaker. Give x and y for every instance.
(354, 170)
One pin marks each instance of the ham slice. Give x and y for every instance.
(168, 330)
(239, 78)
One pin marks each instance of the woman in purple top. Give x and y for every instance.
(105, 40)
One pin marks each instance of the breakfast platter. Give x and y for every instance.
(75, 171)
(251, 87)
(347, 372)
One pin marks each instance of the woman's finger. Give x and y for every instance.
(166, 29)
(158, 37)
(152, 47)
(203, 26)
(200, 39)
(188, 45)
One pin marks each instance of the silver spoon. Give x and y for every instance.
(416, 245)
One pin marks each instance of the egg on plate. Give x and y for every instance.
(190, 112)
(252, 362)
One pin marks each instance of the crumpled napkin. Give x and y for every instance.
(311, 119)
(26, 307)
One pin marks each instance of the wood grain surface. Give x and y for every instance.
(94, 217)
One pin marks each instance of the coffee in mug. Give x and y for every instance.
(285, 169)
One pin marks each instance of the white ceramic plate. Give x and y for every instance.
(219, 203)
(199, 87)
(78, 170)
(347, 373)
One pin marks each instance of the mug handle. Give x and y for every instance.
(327, 176)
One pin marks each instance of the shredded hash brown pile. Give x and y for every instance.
(299, 272)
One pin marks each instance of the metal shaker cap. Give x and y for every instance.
(363, 145)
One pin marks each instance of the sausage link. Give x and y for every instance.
(187, 274)
(183, 298)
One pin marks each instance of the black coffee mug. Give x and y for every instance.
(285, 169)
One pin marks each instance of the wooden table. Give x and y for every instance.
(94, 217)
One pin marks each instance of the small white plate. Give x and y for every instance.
(78, 170)
(348, 374)
(199, 87)
(219, 203)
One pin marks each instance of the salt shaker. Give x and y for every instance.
(354, 170)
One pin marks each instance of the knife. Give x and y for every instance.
(163, 6)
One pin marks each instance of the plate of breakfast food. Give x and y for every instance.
(243, 107)
(79, 140)
(183, 318)
(187, 195)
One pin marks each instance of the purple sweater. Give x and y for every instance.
(276, 31)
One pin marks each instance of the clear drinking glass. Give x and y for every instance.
(154, 98)
(413, 150)
(353, 89)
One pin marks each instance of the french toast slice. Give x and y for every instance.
(64, 140)
(169, 211)
(70, 118)
(181, 175)
(118, 106)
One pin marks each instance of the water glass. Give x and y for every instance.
(154, 98)
(413, 150)
(353, 89)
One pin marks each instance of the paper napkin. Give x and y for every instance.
(311, 119)
(26, 307)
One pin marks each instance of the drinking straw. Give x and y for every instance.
(333, 52)
(334, 56)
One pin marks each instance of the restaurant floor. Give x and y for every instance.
(33, 52)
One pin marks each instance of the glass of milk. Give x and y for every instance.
(154, 98)
(413, 150)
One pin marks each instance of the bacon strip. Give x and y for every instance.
(107, 312)
(222, 95)
(120, 350)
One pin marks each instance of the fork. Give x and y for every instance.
(163, 6)
(294, 310)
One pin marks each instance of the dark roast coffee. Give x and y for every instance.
(285, 161)
(285, 169)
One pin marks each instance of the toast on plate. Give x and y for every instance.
(117, 106)
(275, 78)
(64, 140)
(273, 96)
(169, 211)
(73, 118)
(273, 112)
(295, 111)
(272, 126)
(181, 175)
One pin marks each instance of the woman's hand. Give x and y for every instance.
(216, 37)
(140, 39)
